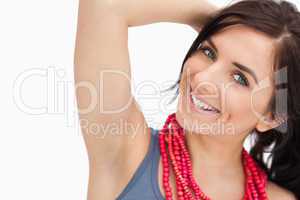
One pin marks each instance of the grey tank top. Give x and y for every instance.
(144, 183)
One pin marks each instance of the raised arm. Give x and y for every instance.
(188, 12)
(102, 78)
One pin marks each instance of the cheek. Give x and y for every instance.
(197, 62)
(260, 101)
(238, 106)
(184, 81)
(243, 111)
(237, 102)
(189, 70)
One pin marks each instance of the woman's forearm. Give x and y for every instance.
(141, 12)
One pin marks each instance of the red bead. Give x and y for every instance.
(186, 187)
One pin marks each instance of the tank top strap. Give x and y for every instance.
(154, 168)
(139, 186)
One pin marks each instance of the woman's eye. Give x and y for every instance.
(208, 52)
(238, 76)
(241, 79)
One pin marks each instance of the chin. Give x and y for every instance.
(190, 123)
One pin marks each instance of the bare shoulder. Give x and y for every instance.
(275, 192)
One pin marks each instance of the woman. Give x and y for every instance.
(232, 77)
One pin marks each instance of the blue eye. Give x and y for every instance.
(208, 52)
(241, 79)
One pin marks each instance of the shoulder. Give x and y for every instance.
(275, 192)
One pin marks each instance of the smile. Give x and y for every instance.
(200, 106)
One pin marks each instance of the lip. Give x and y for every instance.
(195, 108)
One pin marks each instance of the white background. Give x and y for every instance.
(42, 153)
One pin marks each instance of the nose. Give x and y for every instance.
(206, 89)
(208, 82)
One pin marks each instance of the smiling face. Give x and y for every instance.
(232, 72)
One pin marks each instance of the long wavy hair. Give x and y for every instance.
(279, 20)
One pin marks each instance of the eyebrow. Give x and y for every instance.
(238, 65)
(246, 69)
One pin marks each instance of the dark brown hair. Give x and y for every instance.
(279, 20)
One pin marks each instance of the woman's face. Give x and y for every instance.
(232, 72)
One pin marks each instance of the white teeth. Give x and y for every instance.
(202, 105)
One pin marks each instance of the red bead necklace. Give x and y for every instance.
(172, 143)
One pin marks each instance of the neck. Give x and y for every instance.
(215, 152)
(217, 162)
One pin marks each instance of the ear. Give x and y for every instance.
(268, 122)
